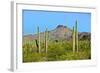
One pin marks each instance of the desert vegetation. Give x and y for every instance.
(46, 49)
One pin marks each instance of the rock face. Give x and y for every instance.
(60, 33)
(61, 26)
(84, 36)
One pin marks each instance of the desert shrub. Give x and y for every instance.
(67, 45)
(56, 51)
(34, 57)
(84, 45)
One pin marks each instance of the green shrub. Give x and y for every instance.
(56, 51)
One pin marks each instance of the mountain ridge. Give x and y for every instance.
(61, 32)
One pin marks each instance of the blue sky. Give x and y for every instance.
(51, 19)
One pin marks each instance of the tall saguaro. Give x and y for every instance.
(76, 36)
(73, 39)
(46, 40)
(39, 47)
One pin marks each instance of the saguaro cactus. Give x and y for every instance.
(36, 42)
(73, 39)
(46, 40)
(76, 35)
(39, 47)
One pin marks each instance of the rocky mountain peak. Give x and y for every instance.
(61, 26)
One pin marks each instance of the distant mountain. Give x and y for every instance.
(59, 33)
(84, 36)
